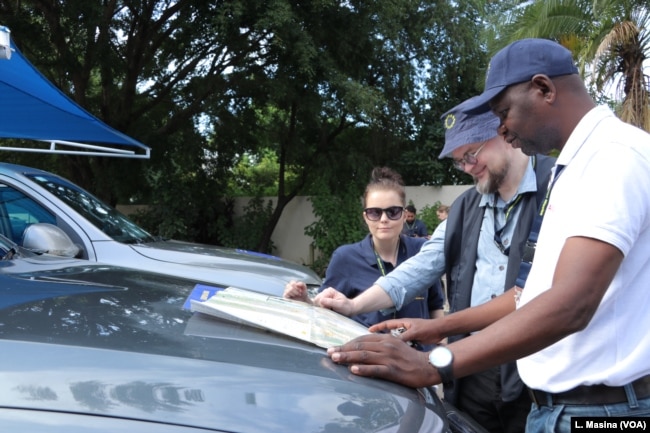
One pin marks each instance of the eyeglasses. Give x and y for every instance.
(393, 212)
(468, 158)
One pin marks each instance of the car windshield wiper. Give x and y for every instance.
(147, 240)
(142, 241)
(10, 254)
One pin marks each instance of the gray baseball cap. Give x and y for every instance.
(462, 128)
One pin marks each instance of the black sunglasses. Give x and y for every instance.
(393, 212)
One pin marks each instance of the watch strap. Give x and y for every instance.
(443, 366)
(446, 375)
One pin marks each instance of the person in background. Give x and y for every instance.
(478, 248)
(442, 212)
(578, 329)
(414, 227)
(354, 267)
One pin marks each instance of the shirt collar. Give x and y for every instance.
(582, 131)
(368, 250)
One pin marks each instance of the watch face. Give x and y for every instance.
(440, 357)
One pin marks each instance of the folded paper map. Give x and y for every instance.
(316, 325)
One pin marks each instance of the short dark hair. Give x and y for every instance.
(410, 208)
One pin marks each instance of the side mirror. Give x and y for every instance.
(43, 238)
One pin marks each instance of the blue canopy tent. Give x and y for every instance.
(32, 108)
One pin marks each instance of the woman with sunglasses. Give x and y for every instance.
(355, 267)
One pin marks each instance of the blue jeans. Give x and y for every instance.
(557, 419)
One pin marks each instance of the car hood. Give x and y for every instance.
(101, 340)
(210, 256)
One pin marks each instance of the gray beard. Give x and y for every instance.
(494, 181)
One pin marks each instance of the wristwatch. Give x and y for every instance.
(442, 358)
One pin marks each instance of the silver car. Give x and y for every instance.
(88, 347)
(29, 196)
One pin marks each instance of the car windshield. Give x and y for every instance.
(101, 215)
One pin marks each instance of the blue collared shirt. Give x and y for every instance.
(354, 268)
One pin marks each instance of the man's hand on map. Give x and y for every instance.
(297, 291)
(424, 331)
(387, 357)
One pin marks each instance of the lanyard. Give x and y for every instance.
(531, 244)
(380, 262)
(382, 269)
(497, 232)
(537, 222)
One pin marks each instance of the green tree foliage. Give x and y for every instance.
(428, 215)
(245, 232)
(146, 68)
(255, 175)
(324, 89)
(456, 64)
(339, 221)
(352, 86)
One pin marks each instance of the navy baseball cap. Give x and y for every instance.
(462, 128)
(519, 62)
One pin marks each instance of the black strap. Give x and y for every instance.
(531, 243)
(497, 232)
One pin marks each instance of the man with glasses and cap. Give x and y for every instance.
(478, 248)
(578, 329)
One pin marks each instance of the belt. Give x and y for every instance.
(592, 394)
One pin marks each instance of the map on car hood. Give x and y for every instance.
(319, 326)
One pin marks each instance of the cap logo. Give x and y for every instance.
(450, 121)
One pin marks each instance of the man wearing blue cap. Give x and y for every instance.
(579, 331)
(479, 249)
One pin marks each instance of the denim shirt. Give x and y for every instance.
(492, 263)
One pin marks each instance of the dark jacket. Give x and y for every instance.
(415, 229)
(461, 245)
